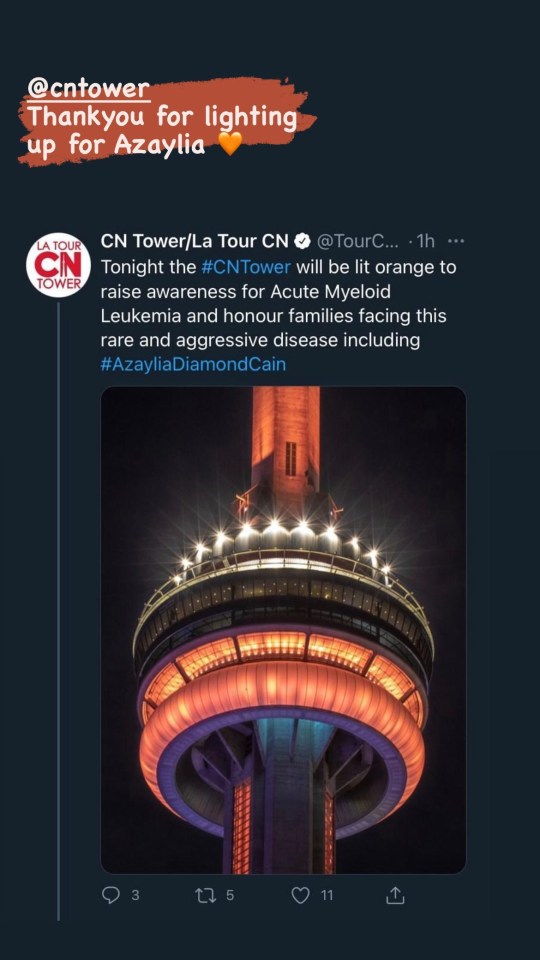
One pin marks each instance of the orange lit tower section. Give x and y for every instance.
(283, 670)
(285, 458)
(285, 451)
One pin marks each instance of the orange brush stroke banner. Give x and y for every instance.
(199, 106)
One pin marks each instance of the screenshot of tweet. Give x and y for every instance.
(264, 414)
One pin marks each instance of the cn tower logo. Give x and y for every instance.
(58, 265)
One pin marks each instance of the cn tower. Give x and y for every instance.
(283, 669)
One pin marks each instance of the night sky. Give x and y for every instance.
(172, 460)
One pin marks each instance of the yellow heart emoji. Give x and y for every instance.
(230, 141)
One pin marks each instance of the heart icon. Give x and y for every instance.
(230, 141)
(300, 894)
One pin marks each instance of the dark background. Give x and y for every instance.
(172, 461)
(436, 102)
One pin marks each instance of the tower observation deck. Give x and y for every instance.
(283, 670)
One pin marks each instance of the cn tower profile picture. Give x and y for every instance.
(283, 668)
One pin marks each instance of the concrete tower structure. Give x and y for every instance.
(283, 671)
